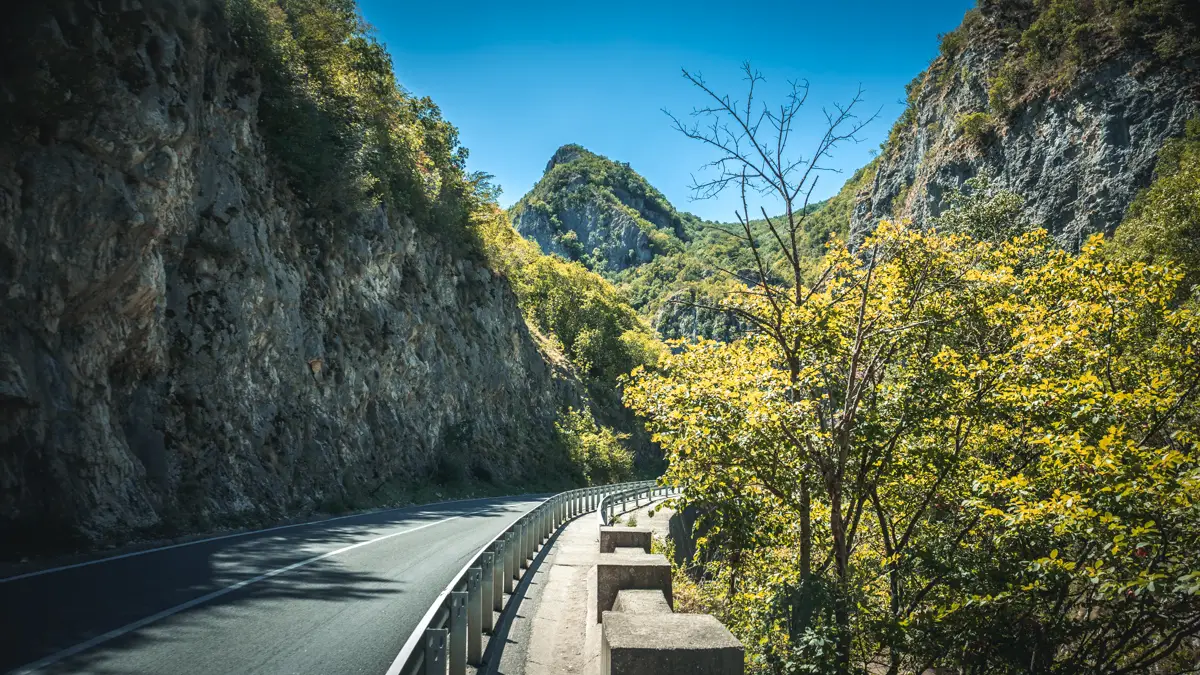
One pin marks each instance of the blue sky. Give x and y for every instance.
(521, 80)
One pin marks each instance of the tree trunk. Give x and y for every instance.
(841, 556)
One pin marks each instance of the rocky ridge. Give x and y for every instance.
(1078, 152)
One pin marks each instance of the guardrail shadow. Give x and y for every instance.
(494, 651)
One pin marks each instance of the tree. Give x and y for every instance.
(753, 156)
(980, 460)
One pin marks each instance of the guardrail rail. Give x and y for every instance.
(636, 491)
(450, 635)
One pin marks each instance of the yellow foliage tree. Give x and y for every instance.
(951, 453)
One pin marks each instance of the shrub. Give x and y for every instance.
(977, 127)
(1003, 88)
(950, 44)
(983, 211)
(597, 452)
(1163, 223)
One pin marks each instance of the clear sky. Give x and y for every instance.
(521, 79)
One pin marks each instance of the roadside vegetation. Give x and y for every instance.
(956, 446)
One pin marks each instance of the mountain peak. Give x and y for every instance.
(567, 153)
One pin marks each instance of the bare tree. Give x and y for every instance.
(753, 158)
(751, 140)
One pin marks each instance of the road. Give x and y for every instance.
(340, 596)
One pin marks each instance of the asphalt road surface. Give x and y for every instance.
(340, 596)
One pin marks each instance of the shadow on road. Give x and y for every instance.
(55, 611)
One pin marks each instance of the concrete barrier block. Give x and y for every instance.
(671, 644)
(617, 572)
(614, 536)
(635, 601)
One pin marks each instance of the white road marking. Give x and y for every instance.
(31, 668)
(232, 535)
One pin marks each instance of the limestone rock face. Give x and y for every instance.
(180, 347)
(614, 233)
(1079, 156)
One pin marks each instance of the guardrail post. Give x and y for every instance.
(535, 534)
(530, 534)
(512, 568)
(435, 651)
(523, 543)
(458, 633)
(535, 538)
(498, 576)
(487, 564)
(474, 616)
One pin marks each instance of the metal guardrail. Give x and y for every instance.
(648, 489)
(450, 635)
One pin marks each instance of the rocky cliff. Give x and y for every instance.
(1065, 109)
(183, 343)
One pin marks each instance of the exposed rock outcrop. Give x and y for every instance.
(180, 346)
(1078, 154)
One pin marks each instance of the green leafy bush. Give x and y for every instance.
(1163, 223)
(597, 451)
(952, 44)
(983, 211)
(976, 127)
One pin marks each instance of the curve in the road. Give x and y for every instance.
(334, 596)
